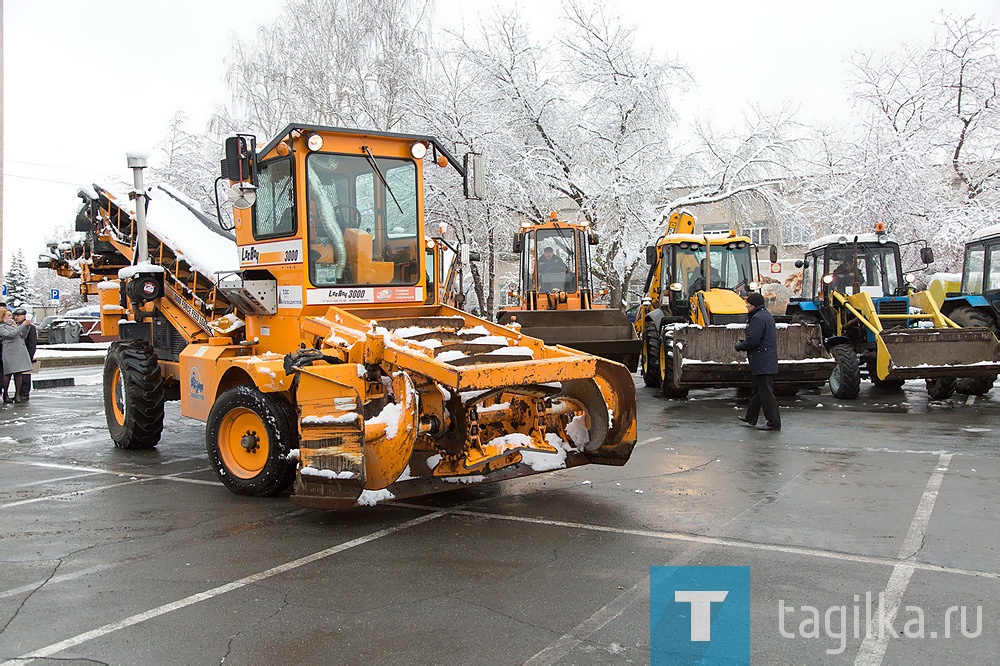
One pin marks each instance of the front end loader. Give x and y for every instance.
(557, 293)
(855, 289)
(311, 339)
(694, 312)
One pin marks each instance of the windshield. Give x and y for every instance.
(972, 272)
(730, 267)
(360, 233)
(552, 260)
(877, 269)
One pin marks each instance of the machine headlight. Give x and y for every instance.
(754, 286)
(828, 278)
(676, 286)
(314, 142)
(418, 150)
(882, 239)
(909, 278)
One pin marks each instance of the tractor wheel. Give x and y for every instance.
(786, 391)
(667, 386)
(968, 317)
(650, 365)
(133, 394)
(845, 380)
(883, 384)
(940, 389)
(248, 438)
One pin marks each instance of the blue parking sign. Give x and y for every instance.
(5, 290)
(54, 294)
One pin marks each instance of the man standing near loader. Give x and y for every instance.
(761, 346)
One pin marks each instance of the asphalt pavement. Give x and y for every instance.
(126, 557)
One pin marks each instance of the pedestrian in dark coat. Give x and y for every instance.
(761, 346)
(31, 344)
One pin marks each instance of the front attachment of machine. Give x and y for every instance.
(933, 353)
(707, 355)
(602, 332)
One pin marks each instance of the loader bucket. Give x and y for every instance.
(605, 333)
(707, 356)
(932, 353)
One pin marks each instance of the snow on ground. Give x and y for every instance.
(373, 497)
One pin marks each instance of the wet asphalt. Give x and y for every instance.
(126, 557)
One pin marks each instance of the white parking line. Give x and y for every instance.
(876, 642)
(58, 478)
(112, 627)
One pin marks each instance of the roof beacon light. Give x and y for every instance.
(880, 227)
(553, 216)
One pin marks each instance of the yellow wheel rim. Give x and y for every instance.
(118, 396)
(243, 443)
(663, 361)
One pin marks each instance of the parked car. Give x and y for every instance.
(78, 325)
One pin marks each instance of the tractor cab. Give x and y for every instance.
(555, 265)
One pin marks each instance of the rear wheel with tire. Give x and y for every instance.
(668, 387)
(940, 389)
(248, 438)
(968, 317)
(845, 380)
(650, 359)
(133, 394)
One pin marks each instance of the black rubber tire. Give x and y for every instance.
(968, 317)
(805, 318)
(650, 364)
(845, 380)
(786, 391)
(276, 472)
(667, 386)
(883, 384)
(940, 389)
(133, 395)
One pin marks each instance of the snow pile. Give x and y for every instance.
(227, 324)
(472, 478)
(373, 497)
(330, 418)
(545, 462)
(107, 284)
(452, 355)
(327, 473)
(475, 330)
(512, 441)
(390, 416)
(143, 267)
(513, 351)
(577, 431)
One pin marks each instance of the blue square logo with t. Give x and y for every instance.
(699, 615)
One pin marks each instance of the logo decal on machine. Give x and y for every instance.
(268, 254)
(196, 386)
(345, 295)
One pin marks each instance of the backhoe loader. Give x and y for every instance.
(557, 295)
(855, 288)
(694, 311)
(311, 338)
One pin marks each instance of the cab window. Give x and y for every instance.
(972, 274)
(274, 212)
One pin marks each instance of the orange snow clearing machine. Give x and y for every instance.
(312, 340)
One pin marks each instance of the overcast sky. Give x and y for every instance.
(86, 81)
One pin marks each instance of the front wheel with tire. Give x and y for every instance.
(845, 380)
(248, 438)
(133, 394)
(650, 359)
(940, 389)
(668, 386)
(969, 317)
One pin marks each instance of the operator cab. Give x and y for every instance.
(686, 269)
(874, 268)
(981, 268)
(555, 264)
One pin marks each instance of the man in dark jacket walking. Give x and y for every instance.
(761, 346)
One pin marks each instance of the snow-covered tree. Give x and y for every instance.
(43, 280)
(925, 158)
(189, 162)
(16, 280)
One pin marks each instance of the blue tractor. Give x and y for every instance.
(873, 323)
(978, 302)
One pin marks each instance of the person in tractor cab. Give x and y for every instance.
(551, 270)
(697, 278)
(761, 346)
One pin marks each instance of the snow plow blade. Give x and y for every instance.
(708, 358)
(606, 333)
(932, 353)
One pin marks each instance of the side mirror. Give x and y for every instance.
(517, 244)
(650, 255)
(773, 254)
(475, 176)
(238, 165)
(593, 238)
(927, 255)
(801, 263)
